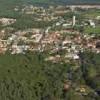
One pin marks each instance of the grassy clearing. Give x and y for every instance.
(91, 30)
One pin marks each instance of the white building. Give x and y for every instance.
(92, 23)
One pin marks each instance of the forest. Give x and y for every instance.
(29, 77)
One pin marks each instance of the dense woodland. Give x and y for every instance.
(29, 77)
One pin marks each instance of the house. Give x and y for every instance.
(17, 49)
(72, 56)
(92, 23)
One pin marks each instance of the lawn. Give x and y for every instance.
(91, 30)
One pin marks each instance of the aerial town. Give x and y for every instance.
(61, 35)
(50, 52)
